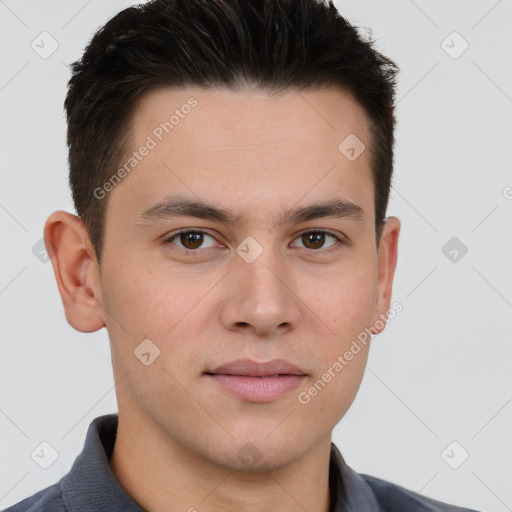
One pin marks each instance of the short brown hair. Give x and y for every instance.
(274, 44)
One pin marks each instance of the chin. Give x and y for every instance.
(260, 454)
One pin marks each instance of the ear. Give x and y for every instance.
(386, 264)
(76, 270)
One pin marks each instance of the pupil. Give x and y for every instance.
(315, 238)
(194, 239)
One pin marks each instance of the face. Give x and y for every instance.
(282, 265)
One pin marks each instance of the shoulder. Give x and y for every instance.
(392, 497)
(46, 500)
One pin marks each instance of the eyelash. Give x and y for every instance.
(338, 241)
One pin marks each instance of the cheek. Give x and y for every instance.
(343, 300)
(131, 303)
(332, 391)
(165, 306)
(142, 305)
(147, 302)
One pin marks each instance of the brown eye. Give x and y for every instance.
(313, 240)
(191, 240)
(317, 239)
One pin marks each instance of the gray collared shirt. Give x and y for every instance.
(90, 485)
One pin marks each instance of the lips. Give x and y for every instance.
(257, 382)
(250, 368)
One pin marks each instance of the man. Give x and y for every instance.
(230, 164)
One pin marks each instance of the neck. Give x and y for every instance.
(161, 474)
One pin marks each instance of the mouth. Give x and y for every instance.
(257, 382)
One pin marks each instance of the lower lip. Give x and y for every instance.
(258, 389)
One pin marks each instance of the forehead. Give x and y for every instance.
(246, 117)
(246, 144)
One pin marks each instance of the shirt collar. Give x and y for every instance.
(349, 491)
(91, 485)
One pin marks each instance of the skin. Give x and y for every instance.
(180, 434)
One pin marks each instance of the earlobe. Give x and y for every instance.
(76, 270)
(387, 259)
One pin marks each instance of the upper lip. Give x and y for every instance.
(252, 368)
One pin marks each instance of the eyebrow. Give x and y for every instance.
(177, 206)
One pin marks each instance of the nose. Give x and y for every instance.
(261, 296)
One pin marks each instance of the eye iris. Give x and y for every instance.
(314, 238)
(191, 240)
(194, 239)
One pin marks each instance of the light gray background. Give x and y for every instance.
(441, 370)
